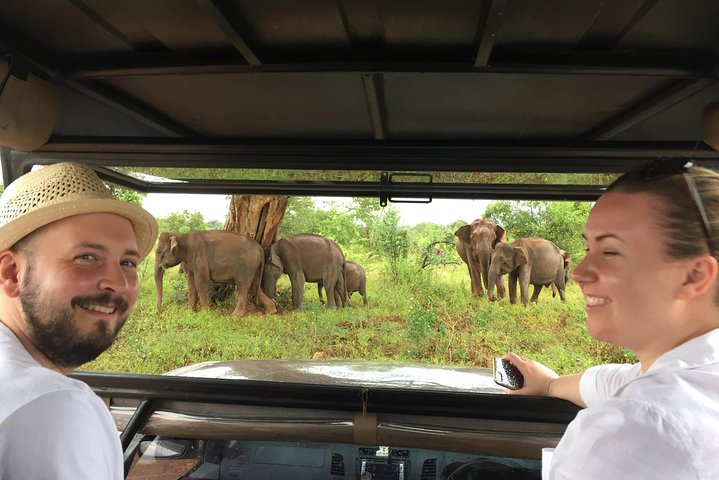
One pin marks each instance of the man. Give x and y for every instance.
(68, 257)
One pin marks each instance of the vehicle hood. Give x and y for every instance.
(349, 373)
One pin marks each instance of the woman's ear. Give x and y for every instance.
(701, 276)
(9, 277)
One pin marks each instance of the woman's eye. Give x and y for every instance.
(86, 256)
(609, 253)
(129, 263)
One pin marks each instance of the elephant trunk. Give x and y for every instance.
(159, 274)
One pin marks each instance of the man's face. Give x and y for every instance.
(79, 286)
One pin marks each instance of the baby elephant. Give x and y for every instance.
(356, 282)
(528, 261)
(216, 255)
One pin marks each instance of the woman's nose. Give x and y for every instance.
(582, 272)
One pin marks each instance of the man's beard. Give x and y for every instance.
(53, 331)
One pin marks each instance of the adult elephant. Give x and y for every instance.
(356, 279)
(531, 260)
(567, 265)
(216, 255)
(306, 257)
(475, 244)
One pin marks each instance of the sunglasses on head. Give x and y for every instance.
(668, 167)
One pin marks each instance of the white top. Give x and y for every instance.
(662, 424)
(51, 426)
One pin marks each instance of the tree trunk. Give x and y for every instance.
(258, 216)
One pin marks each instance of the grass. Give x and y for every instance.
(423, 316)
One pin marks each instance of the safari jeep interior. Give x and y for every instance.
(396, 100)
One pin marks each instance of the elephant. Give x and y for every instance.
(306, 257)
(356, 282)
(475, 244)
(529, 260)
(216, 255)
(567, 265)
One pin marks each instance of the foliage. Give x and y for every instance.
(182, 222)
(560, 222)
(127, 195)
(390, 239)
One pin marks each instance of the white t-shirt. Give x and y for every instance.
(51, 426)
(662, 424)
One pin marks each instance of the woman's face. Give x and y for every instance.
(628, 284)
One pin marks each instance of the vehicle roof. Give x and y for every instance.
(458, 85)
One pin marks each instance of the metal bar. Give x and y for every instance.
(674, 94)
(549, 157)
(231, 26)
(139, 418)
(103, 23)
(616, 18)
(329, 397)
(374, 94)
(491, 21)
(639, 64)
(398, 191)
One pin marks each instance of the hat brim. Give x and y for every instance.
(143, 223)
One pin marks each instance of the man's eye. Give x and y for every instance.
(86, 256)
(609, 253)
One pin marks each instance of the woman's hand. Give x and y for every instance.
(537, 377)
(542, 380)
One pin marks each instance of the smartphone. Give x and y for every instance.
(507, 375)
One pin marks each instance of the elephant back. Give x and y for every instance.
(317, 253)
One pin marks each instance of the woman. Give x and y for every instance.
(649, 280)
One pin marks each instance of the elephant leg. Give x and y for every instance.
(298, 290)
(243, 290)
(476, 279)
(536, 292)
(191, 291)
(268, 304)
(512, 280)
(332, 302)
(500, 286)
(524, 273)
(319, 292)
(363, 292)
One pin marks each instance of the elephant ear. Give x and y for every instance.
(274, 258)
(520, 258)
(463, 233)
(173, 243)
(499, 236)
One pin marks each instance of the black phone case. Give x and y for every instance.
(507, 375)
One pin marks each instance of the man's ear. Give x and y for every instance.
(701, 277)
(9, 273)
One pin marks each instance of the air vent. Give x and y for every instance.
(429, 469)
(338, 465)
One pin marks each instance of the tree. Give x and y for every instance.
(127, 195)
(257, 216)
(392, 240)
(560, 222)
(182, 222)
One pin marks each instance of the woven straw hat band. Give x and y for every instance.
(62, 190)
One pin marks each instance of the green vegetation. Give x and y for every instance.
(420, 310)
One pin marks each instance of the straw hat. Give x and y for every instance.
(62, 190)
